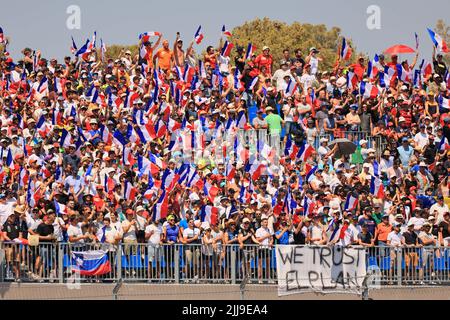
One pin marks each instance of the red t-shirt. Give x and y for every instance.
(263, 61)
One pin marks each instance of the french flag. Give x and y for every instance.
(351, 203)
(385, 81)
(43, 86)
(373, 67)
(210, 190)
(23, 177)
(109, 184)
(253, 83)
(209, 214)
(198, 35)
(127, 157)
(226, 50)
(230, 171)
(74, 48)
(66, 139)
(9, 160)
(244, 195)
(308, 206)
(201, 68)
(305, 152)
(250, 50)
(352, 80)
(255, 168)
(426, 68)
(156, 161)
(367, 90)
(376, 187)
(145, 37)
(161, 207)
(225, 32)
(443, 102)
(119, 139)
(310, 173)
(83, 49)
(376, 169)
(346, 50)
(91, 263)
(443, 144)
(402, 74)
(291, 149)
(439, 43)
(59, 208)
(291, 88)
(129, 192)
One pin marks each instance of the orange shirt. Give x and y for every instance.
(383, 231)
(164, 57)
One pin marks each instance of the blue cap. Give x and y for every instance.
(354, 106)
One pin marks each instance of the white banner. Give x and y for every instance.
(323, 269)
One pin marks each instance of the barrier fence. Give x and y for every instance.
(53, 262)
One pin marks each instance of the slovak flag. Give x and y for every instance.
(346, 50)
(226, 50)
(439, 43)
(145, 37)
(351, 203)
(376, 187)
(198, 35)
(291, 88)
(129, 192)
(209, 214)
(305, 152)
(250, 50)
(225, 32)
(367, 90)
(91, 263)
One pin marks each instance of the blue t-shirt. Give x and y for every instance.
(371, 225)
(284, 238)
(183, 224)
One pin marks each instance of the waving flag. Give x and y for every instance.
(66, 139)
(91, 263)
(119, 139)
(438, 42)
(351, 202)
(145, 37)
(83, 49)
(291, 88)
(23, 177)
(209, 214)
(426, 68)
(305, 152)
(376, 187)
(255, 168)
(225, 32)
(74, 48)
(443, 144)
(253, 83)
(198, 35)
(161, 207)
(346, 50)
(367, 90)
(374, 67)
(311, 173)
(102, 50)
(403, 74)
(250, 50)
(59, 208)
(129, 192)
(352, 80)
(443, 102)
(226, 50)
(417, 40)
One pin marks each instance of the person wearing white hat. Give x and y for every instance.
(323, 150)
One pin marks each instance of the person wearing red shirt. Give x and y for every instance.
(265, 59)
(359, 68)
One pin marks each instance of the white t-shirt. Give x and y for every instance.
(131, 234)
(6, 209)
(395, 238)
(75, 231)
(190, 233)
(421, 139)
(155, 238)
(263, 232)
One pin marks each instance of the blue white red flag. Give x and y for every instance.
(91, 263)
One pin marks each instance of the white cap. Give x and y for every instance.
(323, 140)
(371, 150)
(366, 165)
(362, 141)
(422, 164)
(403, 88)
(401, 119)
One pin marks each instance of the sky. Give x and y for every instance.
(42, 25)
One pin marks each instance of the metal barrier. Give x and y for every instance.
(201, 263)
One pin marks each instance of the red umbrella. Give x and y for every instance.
(400, 48)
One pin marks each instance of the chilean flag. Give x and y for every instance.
(209, 214)
(250, 50)
(198, 35)
(346, 50)
(226, 50)
(305, 152)
(91, 263)
(145, 37)
(439, 43)
(129, 192)
(367, 90)
(225, 32)
(351, 203)
(376, 187)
